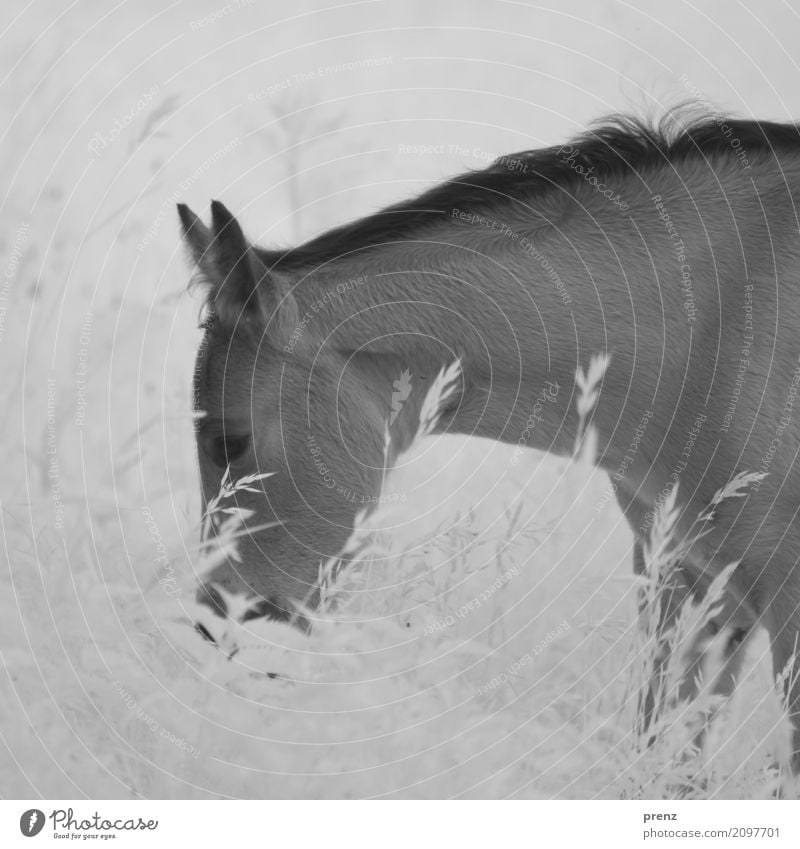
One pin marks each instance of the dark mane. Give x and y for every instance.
(617, 146)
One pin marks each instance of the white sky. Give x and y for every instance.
(474, 80)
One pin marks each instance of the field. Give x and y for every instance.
(485, 648)
(488, 647)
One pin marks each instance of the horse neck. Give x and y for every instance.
(521, 318)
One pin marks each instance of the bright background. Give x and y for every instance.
(299, 117)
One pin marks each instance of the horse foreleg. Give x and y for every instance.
(784, 631)
(711, 658)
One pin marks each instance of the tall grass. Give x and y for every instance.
(455, 656)
(669, 754)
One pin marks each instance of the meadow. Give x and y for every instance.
(482, 647)
(488, 644)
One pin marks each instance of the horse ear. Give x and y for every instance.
(196, 235)
(238, 274)
(242, 291)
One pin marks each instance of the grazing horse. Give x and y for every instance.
(672, 249)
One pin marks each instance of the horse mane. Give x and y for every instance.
(615, 147)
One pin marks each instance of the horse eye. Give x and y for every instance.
(225, 449)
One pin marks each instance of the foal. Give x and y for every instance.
(662, 247)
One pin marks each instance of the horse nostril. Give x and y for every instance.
(204, 632)
(210, 597)
(267, 608)
(271, 608)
